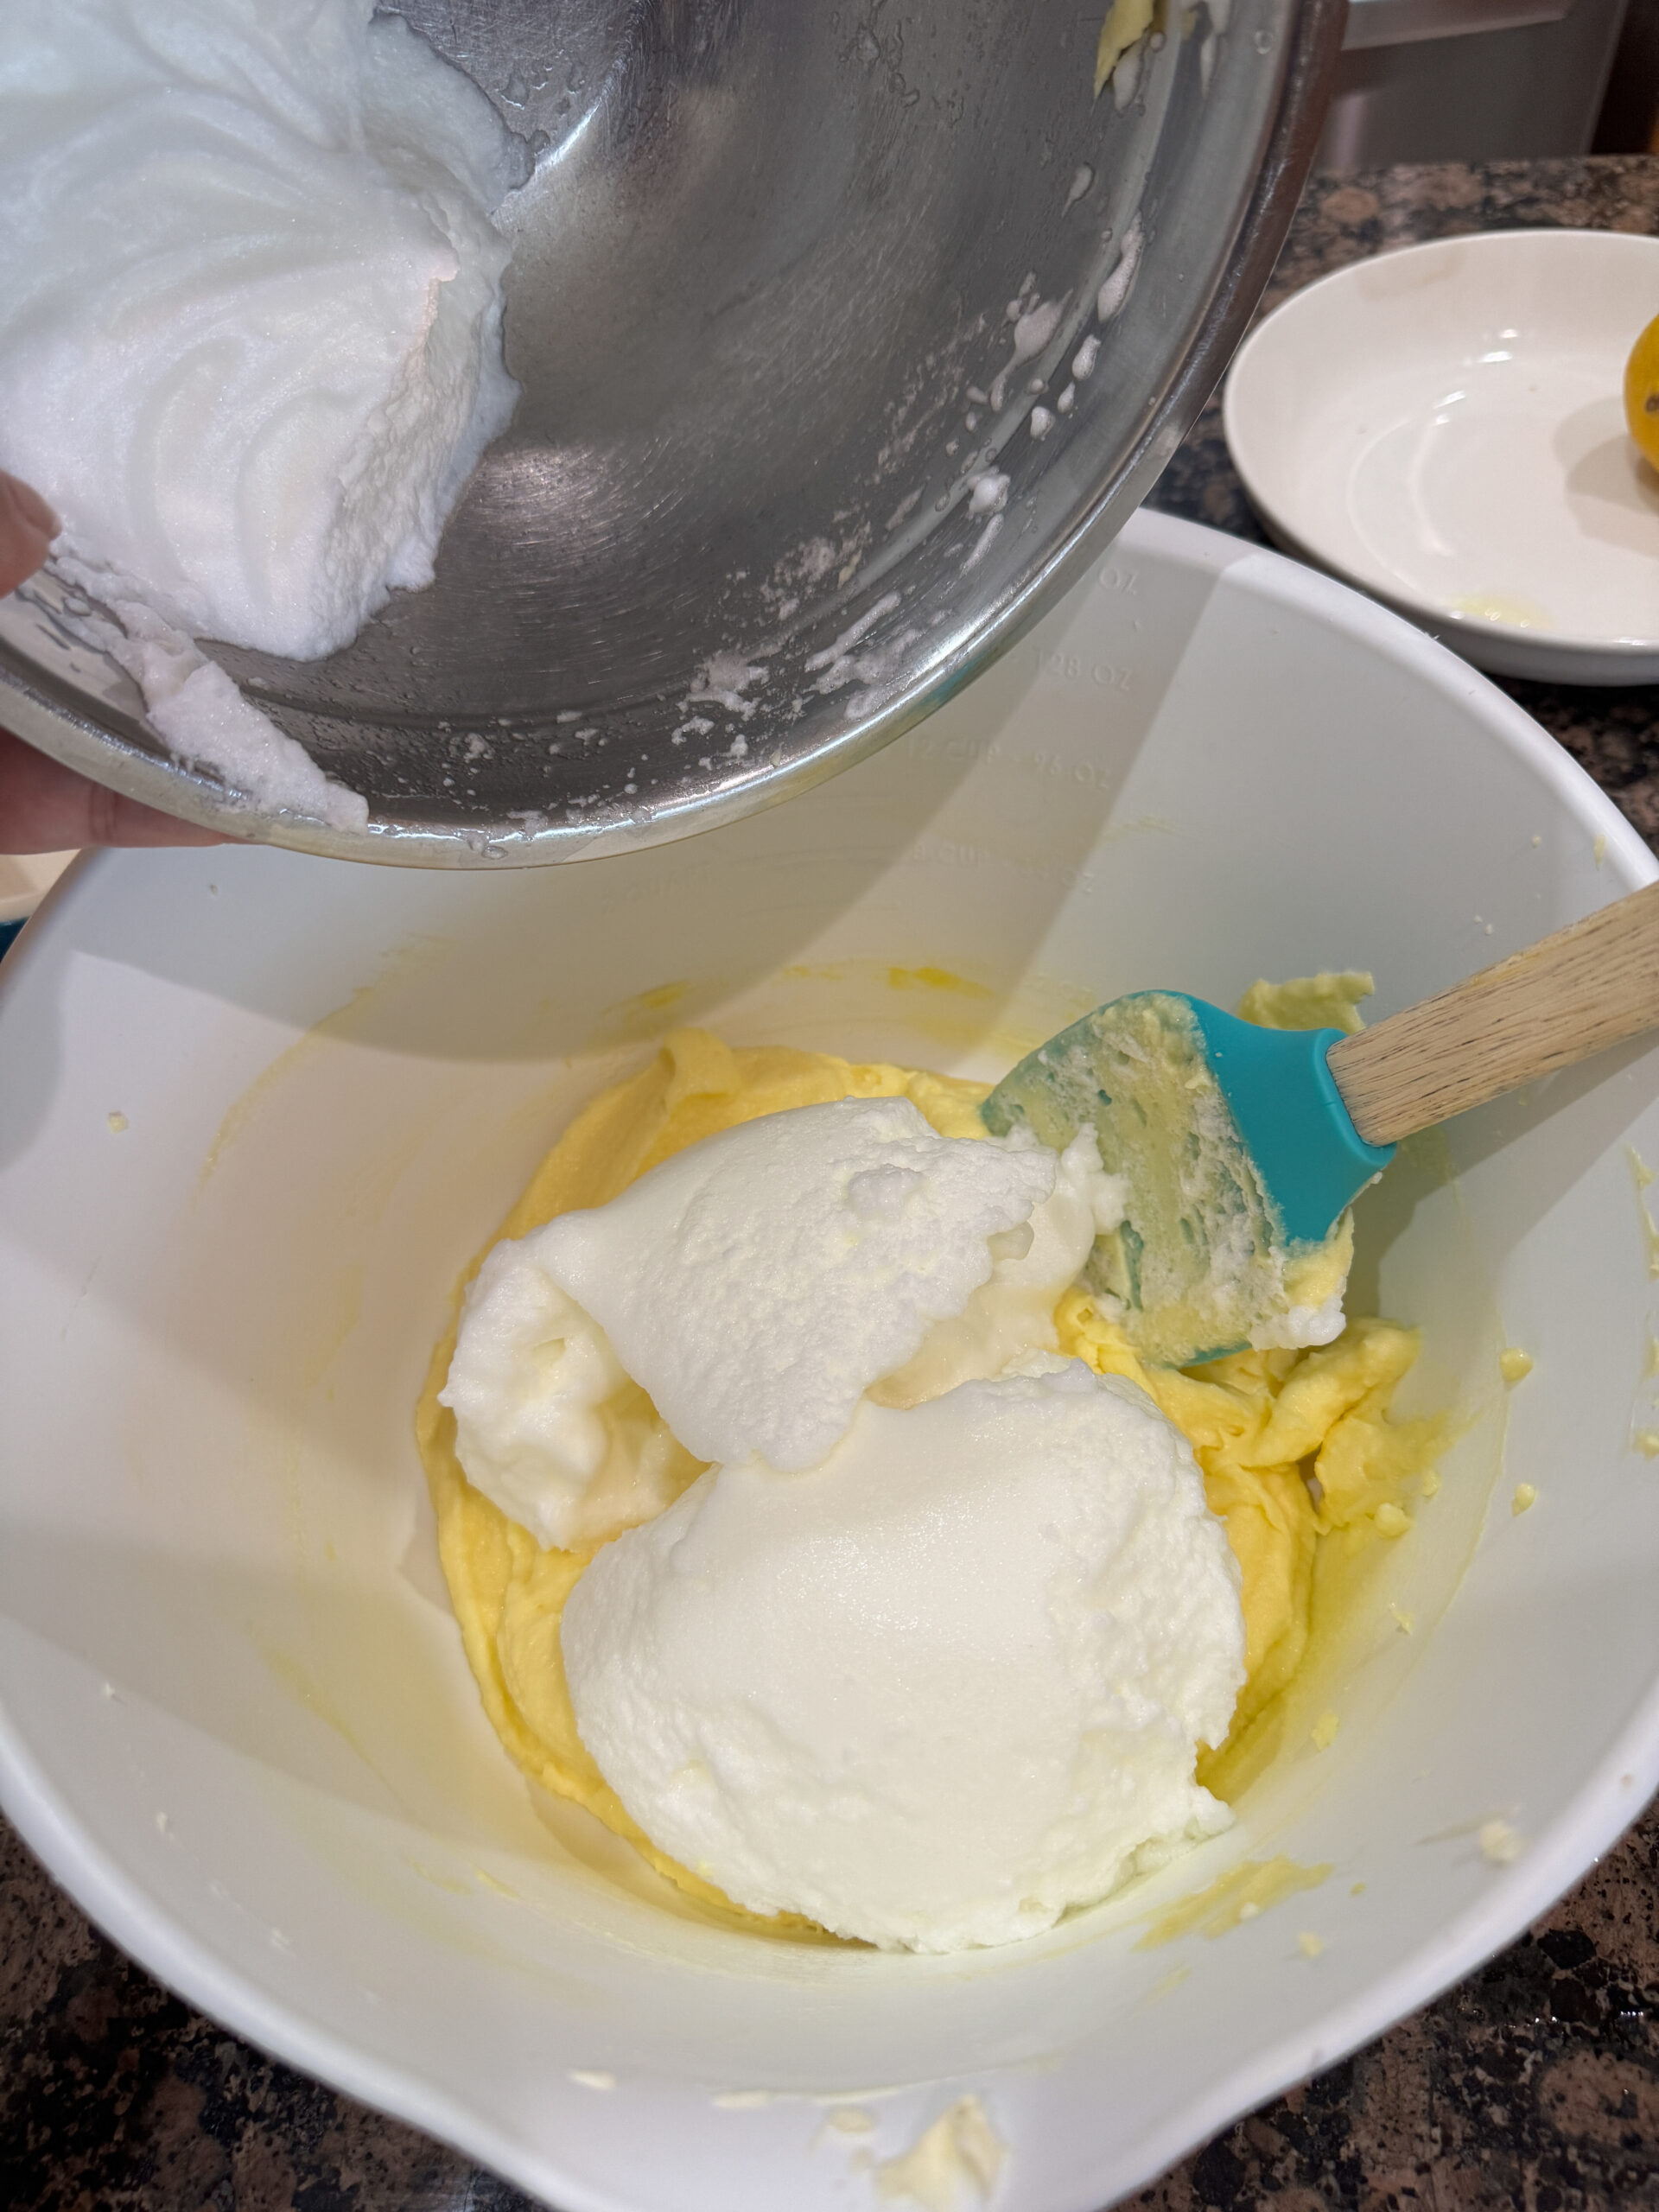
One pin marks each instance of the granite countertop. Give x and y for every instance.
(1536, 2083)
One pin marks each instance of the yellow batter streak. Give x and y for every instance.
(1260, 1423)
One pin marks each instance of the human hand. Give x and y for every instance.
(44, 807)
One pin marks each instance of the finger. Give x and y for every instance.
(47, 808)
(27, 527)
(44, 807)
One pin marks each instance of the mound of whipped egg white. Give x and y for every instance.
(927, 1652)
(249, 333)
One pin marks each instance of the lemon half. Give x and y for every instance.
(1642, 393)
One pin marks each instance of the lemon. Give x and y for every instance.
(1642, 393)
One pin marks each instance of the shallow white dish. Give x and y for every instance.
(234, 1716)
(1444, 426)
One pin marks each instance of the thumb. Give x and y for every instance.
(27, 527)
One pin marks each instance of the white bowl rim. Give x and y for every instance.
(141, 1925)
(1550, 655)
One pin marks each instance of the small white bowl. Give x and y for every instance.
(258, 1112)
(1445, 427)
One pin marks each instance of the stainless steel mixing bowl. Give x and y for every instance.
(804, 300)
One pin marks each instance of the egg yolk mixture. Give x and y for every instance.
(1298, 1449)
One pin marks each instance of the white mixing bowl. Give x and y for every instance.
(259, 1110)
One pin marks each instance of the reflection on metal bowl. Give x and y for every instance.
(843, 340)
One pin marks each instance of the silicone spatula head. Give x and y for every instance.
(1238, 1156)
(1240, 1147)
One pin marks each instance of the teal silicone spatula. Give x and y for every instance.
(1242, 1148)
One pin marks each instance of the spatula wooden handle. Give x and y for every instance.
(1569, 995)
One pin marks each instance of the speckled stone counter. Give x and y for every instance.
(1535, 2084)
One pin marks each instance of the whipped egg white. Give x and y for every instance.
(935, 1690)
(251, 341)
(927, 1651)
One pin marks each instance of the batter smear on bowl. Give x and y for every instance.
(809, 1520)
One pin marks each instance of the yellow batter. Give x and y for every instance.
(1260, 1423)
